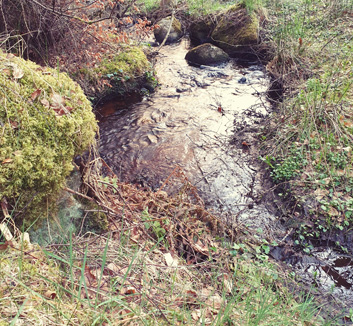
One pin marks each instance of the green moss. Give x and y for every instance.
(37, 143)
(123, 72)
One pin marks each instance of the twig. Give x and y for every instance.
(169, 29)
(78, 194)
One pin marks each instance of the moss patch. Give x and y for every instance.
(45, 120)
(116, 74)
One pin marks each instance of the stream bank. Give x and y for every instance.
(190, 123)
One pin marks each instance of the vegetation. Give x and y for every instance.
(45, 121)
(152, 268)
(309, 140)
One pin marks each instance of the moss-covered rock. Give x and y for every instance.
(201, 30)
(237, 30)
(116, 74)
(45, 120)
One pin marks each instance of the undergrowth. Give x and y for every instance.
(309, 139)
(165, 261)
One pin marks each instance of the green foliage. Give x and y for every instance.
(45, 120)
(311, 146)
(155, 226)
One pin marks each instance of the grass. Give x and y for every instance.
(98, 280)
(309, 138)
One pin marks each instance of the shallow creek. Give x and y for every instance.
(190, 122)
(194, 121)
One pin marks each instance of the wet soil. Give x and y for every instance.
(205, 120)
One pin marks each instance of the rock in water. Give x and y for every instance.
(206, 54)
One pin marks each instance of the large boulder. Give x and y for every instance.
(45, 121)
(236, 31)
(175, 31)
(206, 54)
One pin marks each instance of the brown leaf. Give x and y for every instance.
(57, 100)
(5, 245)
(89, 276)
(35, 94)
(51, 295)
(14, 124)
(6, 72)
(7, 160)
(45, 103)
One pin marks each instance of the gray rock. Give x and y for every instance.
(175, 32)
(206, 54)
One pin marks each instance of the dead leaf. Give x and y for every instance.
(196, 314)
(128, 291)
(320, 193)
(7, 160)
(333, 211)
(6, 72)
(5, 245)
(111, 269)
(90, 278)
(17, 72)
(35, 94)
(57, 100)
(171, 262)
(51, 295)
(14, 124)
(45, 103)
(6, 232)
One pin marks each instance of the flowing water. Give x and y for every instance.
(190, 122)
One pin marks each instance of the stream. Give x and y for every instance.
(199, 120)
(190, 122)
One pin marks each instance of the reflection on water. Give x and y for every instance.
(191, 121)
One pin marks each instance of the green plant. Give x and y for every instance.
(156, 226)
